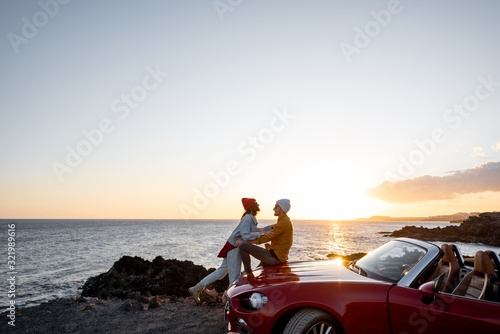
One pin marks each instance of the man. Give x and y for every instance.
(281, 241)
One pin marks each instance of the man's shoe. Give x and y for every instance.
(195, 291)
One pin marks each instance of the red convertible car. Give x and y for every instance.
(404, 286)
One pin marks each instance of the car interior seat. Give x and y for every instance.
(494, 292)
(476, 283)
(449, 266)
(495, 259)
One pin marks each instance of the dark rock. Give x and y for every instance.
(490, 215)
(484, 228)
(81, 300)
(130, 276)
(209, 296)
(141, 306)
(128, 306)
(155, 302)
(143, 299)
(89, 307)
(134, 295)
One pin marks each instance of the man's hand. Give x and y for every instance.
(268, 234)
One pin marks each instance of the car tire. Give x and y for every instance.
(307, 320)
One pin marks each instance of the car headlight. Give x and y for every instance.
(258, 300)
(253, 302)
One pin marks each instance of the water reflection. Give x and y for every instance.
(337, 242)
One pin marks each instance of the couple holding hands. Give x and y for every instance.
(242, 243)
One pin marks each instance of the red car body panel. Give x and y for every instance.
(324, 284)
(447, 314)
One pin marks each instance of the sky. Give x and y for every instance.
(178, 109)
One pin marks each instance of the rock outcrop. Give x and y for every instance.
(132, 276)
(484, 228)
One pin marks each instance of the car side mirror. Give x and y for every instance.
(428, 290)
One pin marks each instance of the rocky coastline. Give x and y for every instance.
(133, 296)
(484, 228)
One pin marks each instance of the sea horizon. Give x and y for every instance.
(408, 218)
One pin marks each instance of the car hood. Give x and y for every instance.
(299, 271)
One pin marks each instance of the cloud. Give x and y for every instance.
(478, 152)
(431, 188)
(497, 147)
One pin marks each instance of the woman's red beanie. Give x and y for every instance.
(248, 202)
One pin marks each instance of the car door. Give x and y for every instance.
(446, 314)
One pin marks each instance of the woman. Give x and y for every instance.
(247, 230)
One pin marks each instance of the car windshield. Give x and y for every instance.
(390, 262)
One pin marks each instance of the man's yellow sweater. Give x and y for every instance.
(282, 240)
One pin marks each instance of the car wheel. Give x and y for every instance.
(311, 321)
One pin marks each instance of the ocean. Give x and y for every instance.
(53, 258)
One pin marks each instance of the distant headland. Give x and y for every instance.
(458, 217)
